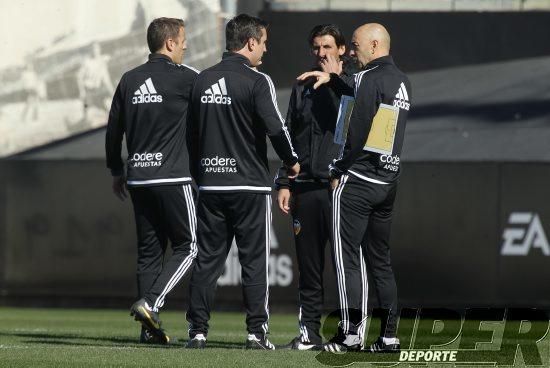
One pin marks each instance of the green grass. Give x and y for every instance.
(108, 338)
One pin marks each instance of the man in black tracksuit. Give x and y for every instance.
(234, 107)
(311, 118)
(365, 184)
(150, 108)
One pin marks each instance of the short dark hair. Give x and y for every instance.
(240, 29)
(162, 29)
(327, 29)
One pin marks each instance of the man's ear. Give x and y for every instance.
(169, 44)
(251, 43)
(374, 45)
(342, 50)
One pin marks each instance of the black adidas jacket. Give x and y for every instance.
(380, 82)
(311, 118)
(150, 106)
(234, 107)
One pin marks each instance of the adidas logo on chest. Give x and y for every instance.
(216, 94)
(146, 93)
(402, 98)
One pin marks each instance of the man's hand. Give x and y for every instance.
(334, 183)
(283, 198)
(119, 187)
(331, 65)
(322, 77)
(293, 172)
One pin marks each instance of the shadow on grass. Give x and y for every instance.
(131, 344)
(102, 341)
(134, 344)
(81, 340)
(224, 344)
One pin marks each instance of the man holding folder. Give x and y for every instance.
(364, 182)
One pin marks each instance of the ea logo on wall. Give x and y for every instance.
(524, 232)
(297, 227)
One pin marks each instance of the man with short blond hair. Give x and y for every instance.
(150, 107)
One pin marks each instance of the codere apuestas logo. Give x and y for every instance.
(146, 93)
(217, 94)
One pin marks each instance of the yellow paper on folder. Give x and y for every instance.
(382, 131)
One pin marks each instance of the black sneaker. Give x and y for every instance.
(341, 343)
(298, 344)
(147, 337)
(149, 320)
(197, 342)
(381, 347)
(331, 347)
(253, 342)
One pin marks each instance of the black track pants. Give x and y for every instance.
(362, 216)
(222, 216)
(163, 213)
(311, 221)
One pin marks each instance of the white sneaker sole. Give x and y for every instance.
(305, 347)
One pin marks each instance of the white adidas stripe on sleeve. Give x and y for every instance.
(190, 67)
(274, 100)
(359, 77)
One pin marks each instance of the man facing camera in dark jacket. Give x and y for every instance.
(364, 179)
(311, 117)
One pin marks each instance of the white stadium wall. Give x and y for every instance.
(59, 73)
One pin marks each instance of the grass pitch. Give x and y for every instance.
(108, 338)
